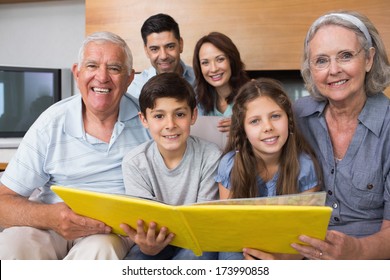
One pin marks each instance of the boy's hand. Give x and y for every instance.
(150, 242)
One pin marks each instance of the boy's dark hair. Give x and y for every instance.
(171, 85)
(159, 23)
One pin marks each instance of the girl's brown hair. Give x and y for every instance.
(246, 164)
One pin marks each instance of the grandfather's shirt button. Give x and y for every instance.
(370, 186)
(336, 219)
(332, 171)
(335, 205)
(330, 192)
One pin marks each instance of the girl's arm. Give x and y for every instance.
(253, 254)
(315, 189)
(224, 193)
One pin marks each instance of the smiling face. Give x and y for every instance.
(169, 124)
(266, 127)
(163, 51)
(215, 66)
(339, 82)
(102, 78)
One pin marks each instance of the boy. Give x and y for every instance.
(174, 167)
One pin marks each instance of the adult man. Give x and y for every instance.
(163, 46)
(78, 142)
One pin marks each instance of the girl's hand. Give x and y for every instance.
(150, 242)
(253, 254)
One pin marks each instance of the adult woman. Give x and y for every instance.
(219, 74)
(347, 121)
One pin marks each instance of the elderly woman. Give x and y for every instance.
(347, 121)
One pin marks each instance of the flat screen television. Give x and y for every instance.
(291, 80)
(25, 92)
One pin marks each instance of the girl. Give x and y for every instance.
(265, 154)
(219, 74)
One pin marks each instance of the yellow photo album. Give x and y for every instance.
(269, 224)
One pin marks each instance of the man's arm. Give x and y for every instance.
(16, 210)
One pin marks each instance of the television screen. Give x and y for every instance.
(24, 94)
(291, 80)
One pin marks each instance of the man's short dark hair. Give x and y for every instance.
(159, 23)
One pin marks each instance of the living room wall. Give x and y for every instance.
(40, 34)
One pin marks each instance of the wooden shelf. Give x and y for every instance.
(269, 34)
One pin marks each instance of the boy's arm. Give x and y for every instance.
(208, 189)
(135, 181)
(150, 241)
